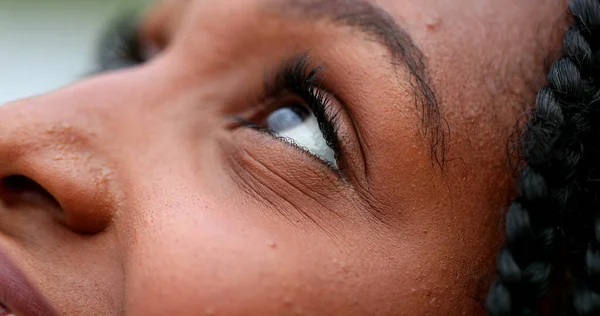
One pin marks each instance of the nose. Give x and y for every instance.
(50, 161)
(72, 149)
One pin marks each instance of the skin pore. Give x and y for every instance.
(162, 204)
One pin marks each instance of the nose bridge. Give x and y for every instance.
(129, 109)
(62, 121)
(73, 141)
(108, 107)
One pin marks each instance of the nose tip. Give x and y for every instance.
(59, 158)
(82, 187)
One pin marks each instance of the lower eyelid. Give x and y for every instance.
(269, 149)
(293, 145)
(279, 195)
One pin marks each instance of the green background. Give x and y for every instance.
(46, 44)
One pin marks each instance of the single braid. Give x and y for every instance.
(581, 219)
(558, 184)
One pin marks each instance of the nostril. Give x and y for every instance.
(15, 190)
(4, 310)
(70, 203)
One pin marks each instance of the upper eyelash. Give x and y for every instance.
(297, 77)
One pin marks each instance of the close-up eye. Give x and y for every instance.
(296, 123)
(302, 112)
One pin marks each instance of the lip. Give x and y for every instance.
(17, 293)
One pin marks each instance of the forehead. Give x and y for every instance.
(476, 29)
(486, 47)
(485, 39)
(474, 15)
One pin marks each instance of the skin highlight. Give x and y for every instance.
(163, 207)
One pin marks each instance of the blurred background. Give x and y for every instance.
(46, 44)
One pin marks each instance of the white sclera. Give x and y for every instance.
(301, 126)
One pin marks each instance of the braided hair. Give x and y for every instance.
(553, 226)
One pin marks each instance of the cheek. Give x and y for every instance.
(220, 264)
(185, 265)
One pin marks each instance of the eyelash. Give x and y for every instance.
(298, 78)
(120, 48)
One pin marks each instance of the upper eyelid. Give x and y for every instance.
(298, 75)
(291, 70)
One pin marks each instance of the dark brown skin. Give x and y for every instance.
(166, 209)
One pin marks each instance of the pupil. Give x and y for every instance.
(287, 118)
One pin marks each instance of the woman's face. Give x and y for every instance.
(147, 191)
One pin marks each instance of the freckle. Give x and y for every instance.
(345, 270)
(433, 23)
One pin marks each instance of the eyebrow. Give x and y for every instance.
(378, 25)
